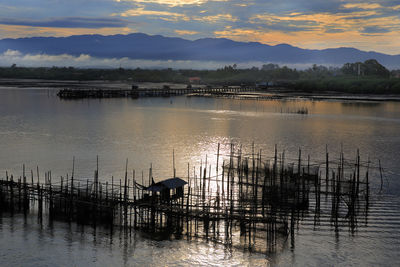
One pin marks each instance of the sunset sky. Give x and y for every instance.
(366, 25)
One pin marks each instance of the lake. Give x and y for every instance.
(39, 129)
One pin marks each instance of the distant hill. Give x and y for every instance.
(143, 46)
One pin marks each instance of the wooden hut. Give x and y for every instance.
(168, 189)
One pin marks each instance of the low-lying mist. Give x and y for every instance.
(11, 57)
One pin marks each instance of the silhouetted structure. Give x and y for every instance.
(136, 92)
(261, 198)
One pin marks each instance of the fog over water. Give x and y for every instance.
(10, 57)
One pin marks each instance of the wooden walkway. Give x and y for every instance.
(149, 92)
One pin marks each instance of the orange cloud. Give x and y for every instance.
(185, 32)
(16, 31)
(319, 18)
(173, 3)
(362, 5)
(215, 18)
(166, 15)
(173, 16)
(322, 23)
(386, 43)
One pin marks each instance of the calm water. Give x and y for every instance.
(38, 129)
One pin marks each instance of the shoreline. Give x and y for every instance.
(282, 95)
(267, 94)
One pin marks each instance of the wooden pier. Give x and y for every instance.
(260, 199)
(136, 92)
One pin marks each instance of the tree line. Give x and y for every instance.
(367, 76)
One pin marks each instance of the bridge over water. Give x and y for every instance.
(135, 92)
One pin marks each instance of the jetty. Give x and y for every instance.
(253, 201)
(165, 91)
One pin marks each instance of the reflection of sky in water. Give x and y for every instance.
(37, 129)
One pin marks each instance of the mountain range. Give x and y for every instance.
(157, 47)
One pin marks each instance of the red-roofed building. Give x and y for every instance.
(194, 79)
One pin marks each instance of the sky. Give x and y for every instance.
(313, 24)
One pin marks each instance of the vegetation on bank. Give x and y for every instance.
(358, 77)
(364, 85)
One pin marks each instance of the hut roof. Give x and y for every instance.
(171, 183)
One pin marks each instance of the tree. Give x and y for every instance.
(370, 67)
(373, 68)
(269, 66)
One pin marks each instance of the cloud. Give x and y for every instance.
(173, 3)
(12, 53)
(164, 15)
(327, 23)
(292, 23)
(215, 18)
(69, 22)
(385, 5)
(310, 18)
(186, 32)
(357, 21)
(330, 29)
(236, 32)
(374, 29)
(16, 31)
(319, 39)
(17, 57)
(362, 5)
(174, 16)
